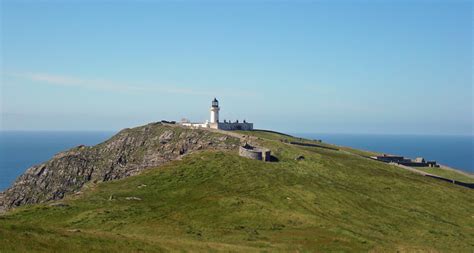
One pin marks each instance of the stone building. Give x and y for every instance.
(418, 162)
(215, 123)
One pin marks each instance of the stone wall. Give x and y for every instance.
(249, 153)
(266, 155)
(255, 153)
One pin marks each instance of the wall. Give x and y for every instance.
(235, 126)
(195, 125)
(221, 125)
(250, 153)
(255, 153)
(267, 156)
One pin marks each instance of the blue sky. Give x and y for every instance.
(300, 67)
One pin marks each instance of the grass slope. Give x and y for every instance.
(218, 201)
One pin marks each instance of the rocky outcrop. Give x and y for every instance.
(127, 153)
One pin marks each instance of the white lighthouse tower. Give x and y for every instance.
(215, 111)
(214, 123)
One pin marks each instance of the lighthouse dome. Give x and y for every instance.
(215, 103)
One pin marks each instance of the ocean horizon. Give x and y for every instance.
(20, 150)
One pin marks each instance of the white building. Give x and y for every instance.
(216, 124)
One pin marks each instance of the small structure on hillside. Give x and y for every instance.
(255, 153)
(299, 158)
(214, 122)
(418, 162)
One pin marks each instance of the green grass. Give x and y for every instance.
(447, 174)
(332, 201)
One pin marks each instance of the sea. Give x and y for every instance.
(20, 150)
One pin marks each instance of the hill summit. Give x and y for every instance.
(164, 187)
(127, 153)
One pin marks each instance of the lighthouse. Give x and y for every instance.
(214, 123)
(215, 111)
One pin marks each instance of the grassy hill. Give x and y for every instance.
(333, 200)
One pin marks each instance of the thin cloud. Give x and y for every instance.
(107, 85)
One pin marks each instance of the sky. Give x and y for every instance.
(384, 67)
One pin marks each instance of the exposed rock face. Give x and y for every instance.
(125, 154)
